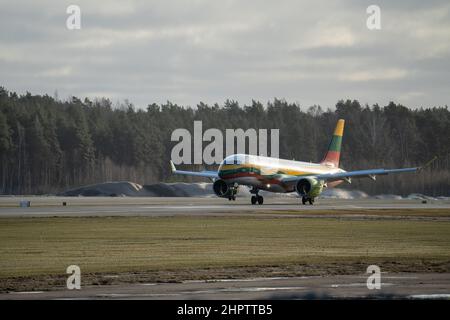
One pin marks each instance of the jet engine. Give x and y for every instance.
(309, 187)
(222, 189)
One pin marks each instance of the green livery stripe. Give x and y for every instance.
(335, 144)
(247, 170)
(239, 170)
(256, 171)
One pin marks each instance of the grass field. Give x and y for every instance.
(196, 246)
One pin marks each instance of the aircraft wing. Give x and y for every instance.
(204, 173)
(371, 173)
(348, 175)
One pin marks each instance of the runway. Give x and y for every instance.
(104, 206)
(393, 286)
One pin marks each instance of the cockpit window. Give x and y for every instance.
(236, 159)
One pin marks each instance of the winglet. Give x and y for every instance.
(172, 166)
(428, 163)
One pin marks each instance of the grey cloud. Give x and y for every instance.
(309, 51)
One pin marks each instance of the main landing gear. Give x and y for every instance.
(307, 199)
(256, 198)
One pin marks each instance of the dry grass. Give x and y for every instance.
(40, 247)
(43, 245)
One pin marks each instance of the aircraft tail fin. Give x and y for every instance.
(334, 148)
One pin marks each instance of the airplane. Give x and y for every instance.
(283, 176)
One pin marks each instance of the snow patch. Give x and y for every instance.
(336, 193)
(388, 197)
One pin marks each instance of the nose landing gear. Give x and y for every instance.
(233, 192)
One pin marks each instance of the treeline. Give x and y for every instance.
(48, 145)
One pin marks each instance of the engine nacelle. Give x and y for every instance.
(222, 189)
(309, 187)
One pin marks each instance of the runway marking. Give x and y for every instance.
(124, 295)
(75, 298)
(266, 289)
(398, 277)
(184, 207)
(348, 285)
(430, 296)
(242, 280)
(391, 277)
(251, 289)
(26, 292)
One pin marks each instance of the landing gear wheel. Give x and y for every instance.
(254, 199)
(304, 200)
(260, 200)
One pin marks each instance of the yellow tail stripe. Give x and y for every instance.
(339, 131)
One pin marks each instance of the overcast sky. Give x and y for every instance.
(310, 52)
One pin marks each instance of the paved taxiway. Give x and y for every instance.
(104, 206)
(401, 285)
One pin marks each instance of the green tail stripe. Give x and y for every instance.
(335, 144)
